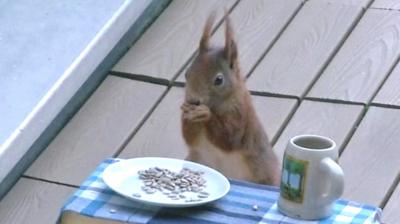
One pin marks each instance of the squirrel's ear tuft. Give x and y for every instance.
(230, 50)
(205, 38)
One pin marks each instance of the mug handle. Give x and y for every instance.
(336, 180)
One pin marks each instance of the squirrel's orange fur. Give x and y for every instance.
(219, 123)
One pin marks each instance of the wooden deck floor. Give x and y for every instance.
(328, 67)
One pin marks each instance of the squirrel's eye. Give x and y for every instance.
(219, 80)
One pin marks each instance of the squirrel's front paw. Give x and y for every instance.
(195, 113)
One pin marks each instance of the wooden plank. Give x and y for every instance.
(371, 159)
(161, 134)
(273, 112)
(391, 211)
(390, 92)
(364, 60)
(386, 4)
(96, 131)
(32, 201)
(170, 41)
(256, 24)
(304, 48)
(327, 119)
(362, 3)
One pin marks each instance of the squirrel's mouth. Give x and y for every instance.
(194, 102)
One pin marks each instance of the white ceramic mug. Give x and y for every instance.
(311, 179)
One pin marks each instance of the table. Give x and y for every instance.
(95, 203)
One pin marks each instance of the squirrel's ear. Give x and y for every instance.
(205, 38)
(230, 50)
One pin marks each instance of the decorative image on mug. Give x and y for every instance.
(293, 177)
(311, 179)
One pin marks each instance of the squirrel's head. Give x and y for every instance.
(214, 75)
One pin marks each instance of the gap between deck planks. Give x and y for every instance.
(386, 4)
(33, 201)
(371, 158)
(363, 3)
(389, 94)
(391, 210)
(321, 118)
(304, 48)
(171, 40)
(96, 131)
(364, 60)
(256, 24)
(164, 130)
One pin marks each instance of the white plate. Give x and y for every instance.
(123, 178)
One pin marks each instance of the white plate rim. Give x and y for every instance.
(224, 180)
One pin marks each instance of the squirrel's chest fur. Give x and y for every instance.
(231, 164)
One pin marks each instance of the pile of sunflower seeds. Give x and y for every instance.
(174, 185)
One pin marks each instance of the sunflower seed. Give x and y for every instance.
(158, 169)
(202, 196)
(204, 193)
(172, 184)
(112, 211)
(151, 191)
(169, 188)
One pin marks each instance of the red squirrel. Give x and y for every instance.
(219, 123)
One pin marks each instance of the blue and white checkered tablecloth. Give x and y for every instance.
(95, 199)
